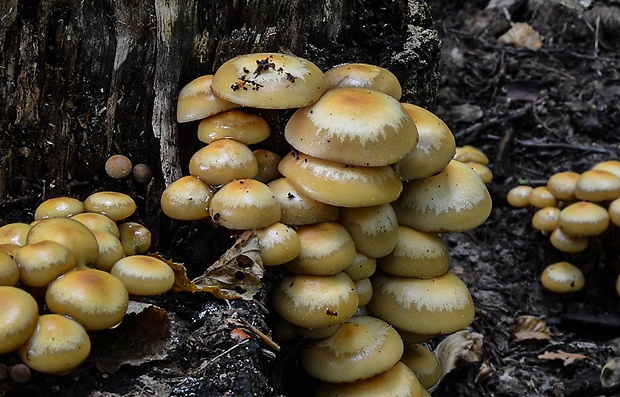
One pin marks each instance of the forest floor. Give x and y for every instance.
(534, 112)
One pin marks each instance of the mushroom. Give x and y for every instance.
(96, 221)
(470, 154)
(518, 196)
(42, 262)
(58, 345)
(142, 173)
(297, 208)
(223, 161)
(135, 238)
(110, 250)
(196, 100)
(562, 185)
(9, 271)
(546, 219)
(244, 127)
(19, 313)
(612, 166)
(115, 205)
(58, 207)
(423, 363)
(363, 75)
(583, 218)
(118, 166)
(278, 244)
(482, 170)
(267, 161)
(364, 291)
(186, 199)
(614, 212)
(567, 243)
(597, 185)
(373, 229)
(14, 233)
(541, 197)
(363, 266)
(143, 275)
(562, 277)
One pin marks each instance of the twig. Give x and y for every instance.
(470, 133)
(264, 337)
(205, 364)
(546, 145)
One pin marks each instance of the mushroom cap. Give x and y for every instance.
(135, 238)
(278, 244)
(361, 348)
(333, 183)
(269, 81)
(439, 305)
(541, 197)
(363, 75)
(417, 254)
(110, 250)
(583, 218)
(435, 148)
(326, 249)
(364, 291)
(614, 212)
(142, 173)
(315, 301)
(612, 166)
(97, 221)
(14, 233)
(297, 208)
(186, 199)
(196, 100)
(485, 173)
(562, 277)
(519, 196)
(9, 271)
(398, 381)
(363, 266)
(76, 237)
(562, 185)
(423, 363)
(58, 207)
(19, 313)
(567, 243)
(244, 204)
(115, 205)
(546, 219)
(597, 185)
(353, 126)
(267, 161)
(58, 345)
(118, 166)
(454, 200)
(143, 275)
(373, 229)
(223, 161)
(470, 154)
(94, 298)
(248, 128)
(42, 262)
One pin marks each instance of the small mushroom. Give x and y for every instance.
(110, 250)
(135, 238)
(541, 197)
(562, 185)
(143, 275)
(186, 199)
(583, 219)
(118, 166)
(568, 243)
(115, 205)
(297, 208)
(96, 221)
(373, 229)
(142, 173)
(58, 207)
(196, 100)
(278, 244)
(267, 161)
(19, 313)
(223, 161)
(363, 75)
(518, 196)
(423, 363)
(9, 271)
(597, 185)
(244, 127)
(562, 277)
(14, 233)
(546, 219)
(42, 262)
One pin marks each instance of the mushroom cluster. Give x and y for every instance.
(476, 159)
(69, 272)
(573, 209)
(352, 209)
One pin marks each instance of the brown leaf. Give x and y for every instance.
(568, 358)
(522, 35)
(530, 327)
(458, 348)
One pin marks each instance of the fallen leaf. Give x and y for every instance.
(530, 327)
(522, 34)
(568, 358)
(610, 374)
(457, 348)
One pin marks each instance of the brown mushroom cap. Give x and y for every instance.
(299, 209)
(244, 204)
(19, 312)
(363, 75)
(361, 348)
(58, 207)
(583, 218)
(439, 305)
(546, 219)
(269, 81)
(454, 200)
(373, 229)
(118, 166)
(14, 233)
(562, 277)
(562, 185)
(115, 205)
(223, 161)
(518, 196)
(57, 346)
(567, 243)
(196, 100)
(541, 197)
(186, 199)
(234, 124)
(143, 275)
(142, 173)
(96, 299)
(42, 262)
(278, 244)
(597, 185)
(435, 146)
(333, 183)
(353, 126)
(315, 301)
(423, 363)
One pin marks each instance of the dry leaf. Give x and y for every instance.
(530, 327)
(568, 358)
(459, 347)
(522, 35)
(610, 374)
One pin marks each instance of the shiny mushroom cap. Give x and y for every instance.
(363, 75)
(562, 277)
(196, 100)
(19, 313)
(186, 199)
(234, 124)
(373, 229)
(583, 218)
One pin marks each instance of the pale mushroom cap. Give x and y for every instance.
(115, 205)
(423, 363)
(373, 229)
(315, 301)
(196, 100)
(186, 199)
(234, 124)
(439, 305)
(143, 275)
(485, 173)
(417, 254)
(363, 266)
(267, 161)
(597, 185)
(58, 207)
(326, 249)
(96, 299)
(110, 250)
(9, 271)
(42, 262)
(14, 233)
(97, 221)
(269, 81)
(562, 185)
(454, 200)
(546, 219)
(19, 312)
(470, 154)
(541, 197)
(583, 218)
(223, 161)
(361, 348)
(363, 75)
(244, 204)
(567, 243)
(562, 277)
(353, 126)
(518, 196)
(135, 238)
(333, 183)
(57, 346)
(297, 208)
(612, 166)
(435, 148)
(278, 244)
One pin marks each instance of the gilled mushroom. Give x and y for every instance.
(186, 199)
(42, 262)
(363, 75)
(110, 250)
(135, 238)
(196, 100)
(562, 277)
(278, 244)
(223, 161)
(423, 363)
(546, 219)
(562, 185)
(597, 185)
(299, 209)
(541, 197)
(373, 229)
(244, 127)
(568, 243)
(518, 196)
(583, 218)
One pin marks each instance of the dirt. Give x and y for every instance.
(533, 112)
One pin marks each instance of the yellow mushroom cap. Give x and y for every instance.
(97, 221)
(518, 196)
(58, 207)
(42, 262)
(597, 185)
(364, 291)
(363, 75)
(541, 197)
(454, 200)
(196, 100)
(546, 219)
(9, 271)
(373, 229)
(562, 277)
(435, 146)
(57, 346)
(115, 205)
(186, 199)
(363, 266)
(333, 183)
(583, 218)
(135, 238)
(234, 124)
(439, 305)
(470, 154)
(269, 81)
(353, 126)
(423, 363)
(567, 243)
(612, 166)
(278, 244)
(14, 233)
(19, 312)
(110, 250)
(485, 173)
(144, 275)
(96, 299)
(223, 161)
(267, 161)
(315, 301)
(614, 212)
(361, 348)
(297, 208)
(562, 185)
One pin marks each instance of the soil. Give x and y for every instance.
(534, 113)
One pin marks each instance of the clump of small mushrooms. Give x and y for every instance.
(573, 210)
(70, 272)
(352, 210)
